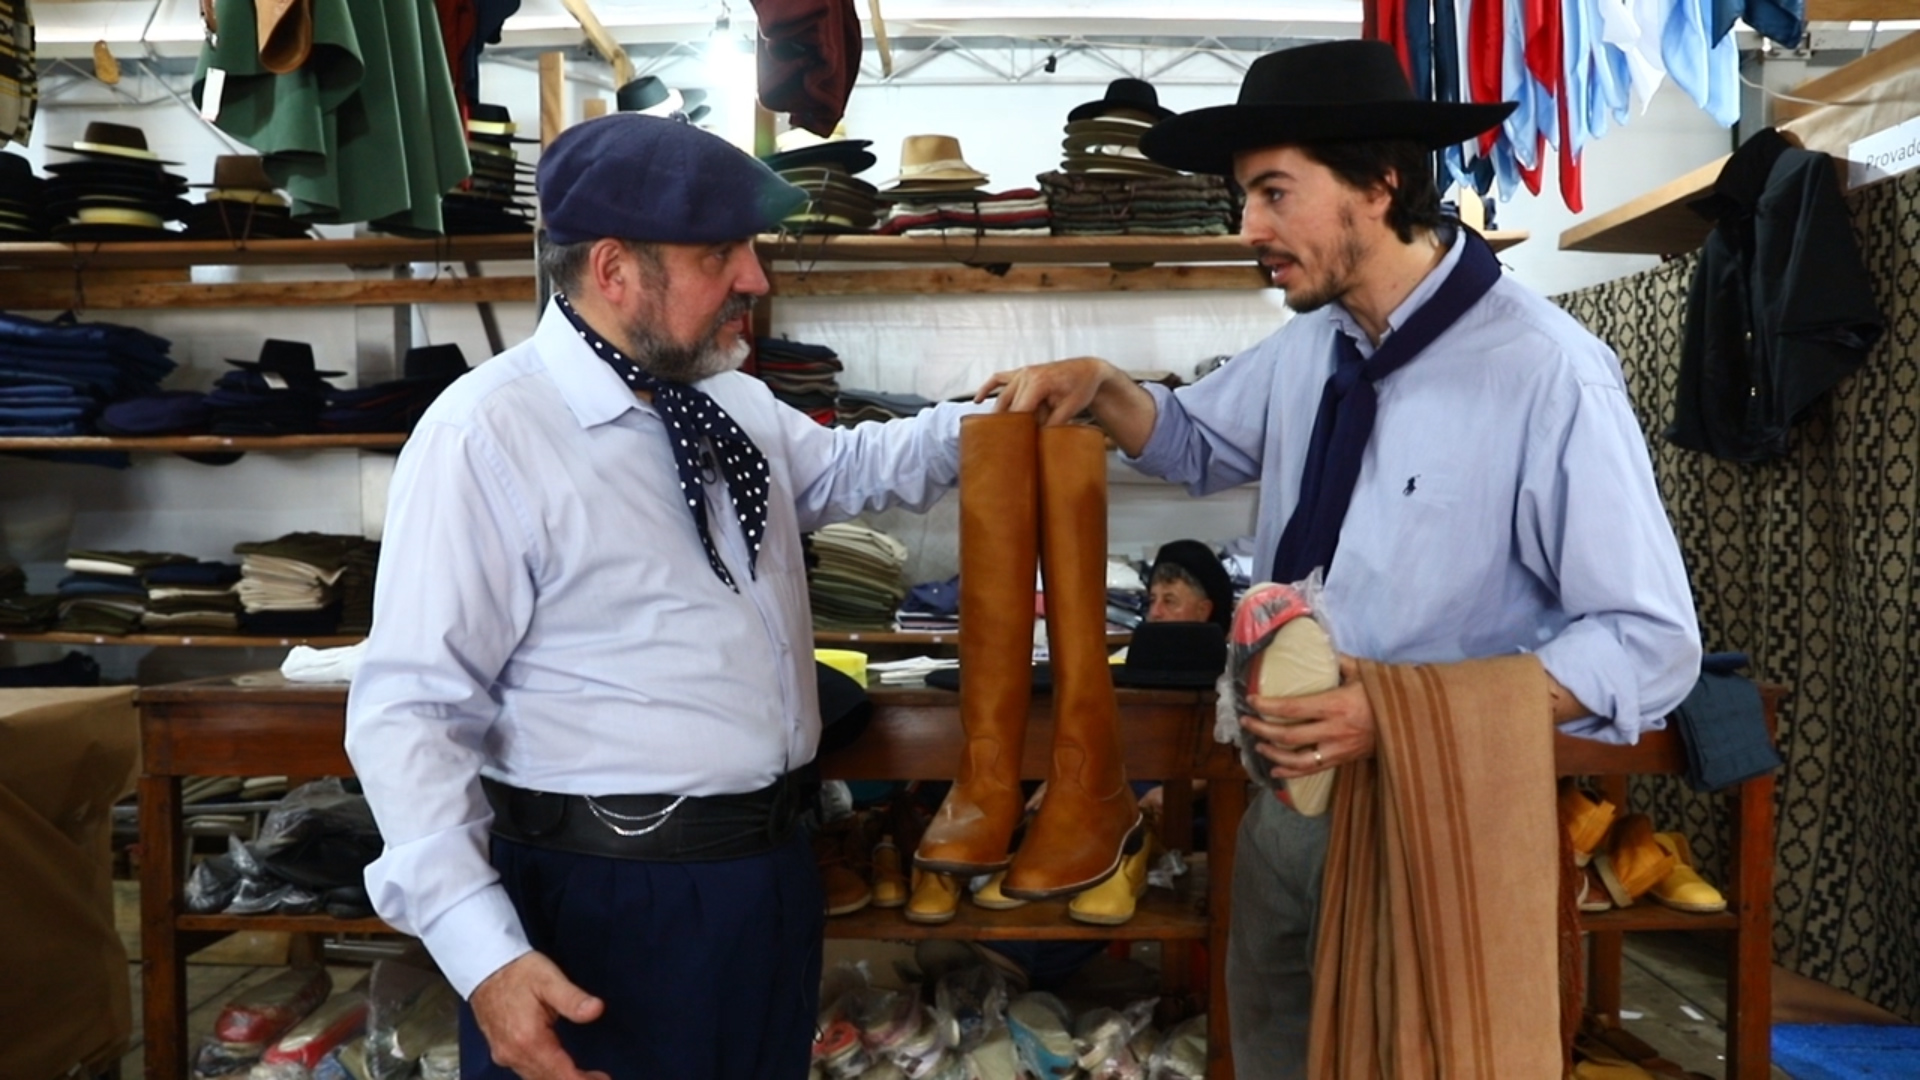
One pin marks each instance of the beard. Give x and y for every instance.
(1342, 267)
(674, 361)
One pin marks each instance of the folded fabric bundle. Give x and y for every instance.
(855, 578)
(126, 563)
(56, 376)
(801, 374)
(860, 406)
(192, 573)
(1723, 725)
(22, 613)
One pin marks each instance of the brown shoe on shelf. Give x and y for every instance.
(1684, 889)
(990, 897)
(1593, 897)
(1586, 818)
(936, 896)
(845, 886)
(889, 876)
(1634, 862)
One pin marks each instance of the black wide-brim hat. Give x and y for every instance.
(1330, 91)
(292, 360)
(1134, 95)
(850, 155)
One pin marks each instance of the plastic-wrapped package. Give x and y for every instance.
(442, 1060)
(897, 1029)
(1106, 1041)
(408, 1009)
(211, 885)
(1042, 1036)
(254, 1018)
(974, 1001)
(320, 837)
(838, 1052)
(1279, 646)
(348, 1061)
(292, 1058)
(1182, 1055)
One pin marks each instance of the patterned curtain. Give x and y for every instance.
(1808, 564)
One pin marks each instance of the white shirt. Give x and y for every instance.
(545, 614)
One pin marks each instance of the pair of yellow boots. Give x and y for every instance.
(1626, 860)
(936, 896)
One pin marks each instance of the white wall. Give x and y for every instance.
(937, 346)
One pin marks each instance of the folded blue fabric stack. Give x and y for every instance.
(56, 376)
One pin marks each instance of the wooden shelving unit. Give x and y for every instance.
(207, 641)
(205, 444)
(171, 254)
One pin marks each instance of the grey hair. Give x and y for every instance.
(564, 264)
(1172, 573)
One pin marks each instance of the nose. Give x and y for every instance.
(1253, 228)
(749, 276)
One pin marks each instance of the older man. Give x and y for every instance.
(588, 706)
(1457, 454)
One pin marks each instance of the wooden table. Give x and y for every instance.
(262, 725)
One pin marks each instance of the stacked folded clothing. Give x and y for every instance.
(1020, 212)
(861, 406)
(1107, 205)
(932, 607)
(281, 393)
(299, 584)
(356, 587)
(101, 603)
(22, 201)
(192, 597)
(802, 375)
(855, 579)
(55, 376)
(19, 612)
(396, 405)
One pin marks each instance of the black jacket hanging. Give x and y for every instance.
(1780, 309)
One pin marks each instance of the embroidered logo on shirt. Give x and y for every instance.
(1410, 483)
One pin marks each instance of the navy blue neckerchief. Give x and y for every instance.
(693, 421)
(1347, 406)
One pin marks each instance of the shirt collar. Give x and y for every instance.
(591, 389)
(1348, 325)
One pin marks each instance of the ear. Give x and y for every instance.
(1379, 196)
(611, 270)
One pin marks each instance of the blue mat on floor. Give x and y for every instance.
(1847, 1051)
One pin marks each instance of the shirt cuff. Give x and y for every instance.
(1594, 667)
(475, 938)
(1169, 436)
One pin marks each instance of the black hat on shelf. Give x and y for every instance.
(850, 156)
(493, 124)
(1181, 654)
(1126, 96)
(434, 363)
(291, 360)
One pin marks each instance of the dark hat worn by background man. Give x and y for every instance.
(1330, 91)
(1199, 561)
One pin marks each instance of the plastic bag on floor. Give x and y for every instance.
(1107, 1040)
(838, 1051)
(328, 1027)
(409, 1009)
(1183, 1053)
(253, 1019)
(974, 1001)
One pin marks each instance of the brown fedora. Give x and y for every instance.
(239, 172)
(114, 141)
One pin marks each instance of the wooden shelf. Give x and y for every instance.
(1650, 915)
(102, 291)
(1164, 914)
(207, 444)
(359, 251)
(195, 641)
(910, 637)
(1052, 250)
(295, 924)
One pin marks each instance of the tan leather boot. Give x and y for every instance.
(999, 530)
(1075, 840)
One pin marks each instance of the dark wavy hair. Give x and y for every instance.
(1402, 166)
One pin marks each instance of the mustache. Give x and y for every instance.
(737, 305)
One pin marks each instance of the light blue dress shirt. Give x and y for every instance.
(545, 615)
(1505, 503)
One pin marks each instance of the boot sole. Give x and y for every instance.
(1132, 838)
(849, 908)
(1101, 920)
(999, 905)
(936, 919)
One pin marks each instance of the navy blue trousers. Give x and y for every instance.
(709, 970)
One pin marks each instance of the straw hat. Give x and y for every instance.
(934, 159)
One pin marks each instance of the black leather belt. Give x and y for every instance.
(659, 828)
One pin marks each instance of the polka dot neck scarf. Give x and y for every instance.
(694, 423)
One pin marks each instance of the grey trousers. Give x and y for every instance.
(1277, 867)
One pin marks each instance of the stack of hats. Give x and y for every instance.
(396, 405)
(241, 204)
(1103, 137)
(856, 579)
(1088, 205)
(827, 170)
(22, 201)
(802, 375)
(493, 201)
(281, 393)
(192, 597)
(862, 406)
(55, 376)
(299, 583)
(118, 190)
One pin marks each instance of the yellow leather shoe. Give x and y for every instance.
(1113, 901)
(936, 897)
(889, 878)
(1683, 889)
(1586, 818)
(990, 897)
(1634, 862)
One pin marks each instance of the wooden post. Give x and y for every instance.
(593, 107)
(553, 97)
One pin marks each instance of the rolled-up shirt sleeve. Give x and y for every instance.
(454, 596)
(1592, 527)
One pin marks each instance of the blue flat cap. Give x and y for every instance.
(654, 179)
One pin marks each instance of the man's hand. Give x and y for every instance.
(515, 1008)
(1062, 390)
(1306, 734)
